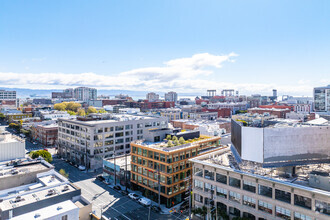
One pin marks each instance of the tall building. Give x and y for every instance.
(171, 97)
(154, 161)
(66, 94)
(7, 95)
(85, 93)
(322, 99)
(86, 140)
(152, 97)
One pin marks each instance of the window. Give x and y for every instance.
(65, 217)
(322, 207)
(234, 196)
(222, 192)
(249, 186)
(199, 184)
(144, 152)
(169, 190)
(249, 201)
(283, 213)
(283, 196)
(119, 134)
(234, 211)
(302, 201)
(107, 136)
(198, 172)
(265, 207)
(298, 216)
(208, 175)
(169, 159)
(198, 198)
(156, 156)
(128, 127)
(265, 191)
(162, 157)
(139, 151)
(150, 154)
(119, 128)
(208, 187)
(221, 178)
(234, 182)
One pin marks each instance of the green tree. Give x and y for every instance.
(91, 109)
(168, 137)
(102, 111)
(34, 154)
(46, 155)
(71, 112)
(2, 116)
(60, 106)
(181, 140)
(73, 106)
(81, 112)
(170, 144)
(176, 142)
(174, 138)
(63, 173)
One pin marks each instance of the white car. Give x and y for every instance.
(82, 168)
(133, 196)
(145, 201)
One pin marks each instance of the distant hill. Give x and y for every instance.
(44, 93)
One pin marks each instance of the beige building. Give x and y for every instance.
(246, 189)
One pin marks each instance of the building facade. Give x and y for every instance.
(152, 97)
(86, 141)
(157, 168)
(85, 93)
(171, 97)
(238, 190)
(7, 95)
(322, 99)
(45, 134)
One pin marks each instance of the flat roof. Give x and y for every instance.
(162, 145)
(25, 167)
(225, 159)
(49, 211)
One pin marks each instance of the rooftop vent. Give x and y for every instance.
(37, 215)
(66, 187)
(59, 208)
(18, 199)
(51, 192)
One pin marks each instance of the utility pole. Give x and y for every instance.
(125, 171)
(149, 212)
(115, 166)
(189, 190)
(158, 187)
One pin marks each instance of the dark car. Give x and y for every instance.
(101, 178)
(117, 187)
(156, 209)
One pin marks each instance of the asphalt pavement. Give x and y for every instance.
(114, 205)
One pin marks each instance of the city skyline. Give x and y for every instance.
(251, 47)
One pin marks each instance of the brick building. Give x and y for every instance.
(279, 112)
(45, 134)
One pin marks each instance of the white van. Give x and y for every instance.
(144, 201)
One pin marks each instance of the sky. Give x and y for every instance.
(180, 45)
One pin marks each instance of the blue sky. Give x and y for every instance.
(186, 46)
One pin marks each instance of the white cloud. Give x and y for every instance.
(182, 75)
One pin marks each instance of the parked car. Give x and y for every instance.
(156, 209)
(133, 196)
(144, 201)
(82, 168)
(99, 177)
(117, 187)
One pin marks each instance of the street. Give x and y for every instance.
(115, 205)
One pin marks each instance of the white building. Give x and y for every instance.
(245, 189)
(11, 147)
(7, 95)
(129, 110)
(234, 106)
(34, 190)
(171, 97)
(85, 93)
(86, 141)
(54, 115)
(322, 100)
(152, 97)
